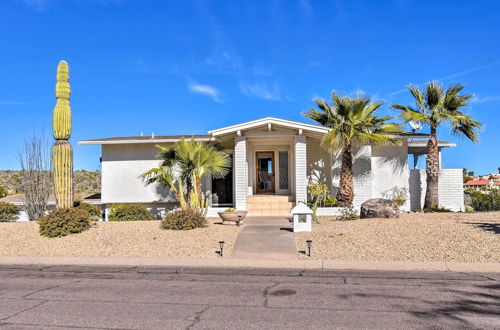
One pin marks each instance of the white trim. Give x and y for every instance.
(267, 121)
(419, 144)
(125, 141)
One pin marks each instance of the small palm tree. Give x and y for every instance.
(435, 107)
(184, 165)
(352, 122)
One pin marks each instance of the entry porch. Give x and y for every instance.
(269, 166)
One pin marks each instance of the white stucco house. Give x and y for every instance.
(273, 160)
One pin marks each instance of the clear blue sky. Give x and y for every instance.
(184, 67)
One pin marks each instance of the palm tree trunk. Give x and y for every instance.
(346, 191)
(432, 171)
(198, 187)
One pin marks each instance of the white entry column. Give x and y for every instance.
(240, 172)
(300, 169)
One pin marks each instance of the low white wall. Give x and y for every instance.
(451, 189)
(329, 211)
(157, 209)
(23, 216)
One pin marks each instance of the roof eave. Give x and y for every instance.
(268, 120)
(152, 140)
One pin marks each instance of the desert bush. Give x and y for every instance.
(348, 213)
(129, 212)
(489, 200)
(397, 195)
(8, 212)
(184, 219)
(63, 222)
(94, 211)
(3, 191)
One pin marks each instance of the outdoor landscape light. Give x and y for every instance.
(238, 221)
(309, 245)
(221, 244)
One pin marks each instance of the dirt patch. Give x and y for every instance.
(123, 239)
(459, 237)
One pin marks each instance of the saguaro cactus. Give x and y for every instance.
(62, 152)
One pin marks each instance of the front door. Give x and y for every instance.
(265, 172)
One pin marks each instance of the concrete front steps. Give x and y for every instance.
(270, 205)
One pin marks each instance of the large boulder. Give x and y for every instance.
(379, 208)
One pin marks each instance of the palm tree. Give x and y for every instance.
(352, 122)
(185, 164)
(435, 107)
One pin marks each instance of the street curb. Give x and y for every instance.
(257, 263)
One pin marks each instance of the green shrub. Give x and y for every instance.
(348, 213)
(489, 200)
(3, 191)
(129, 212)
(8, 212)
(94, 211)
(435, 209)
(62, 222)
(183, 220)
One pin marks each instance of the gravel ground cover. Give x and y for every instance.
(123, 239)
(458, 237)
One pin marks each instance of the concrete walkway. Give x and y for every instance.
(265, 238)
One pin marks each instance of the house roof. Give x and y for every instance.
(145, 139)
(268, 121)
(477, 182)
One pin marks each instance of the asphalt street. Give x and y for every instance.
(54, 297)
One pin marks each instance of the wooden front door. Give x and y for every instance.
(265, 175)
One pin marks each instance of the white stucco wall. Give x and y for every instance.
(121, 166)
(319, 164)
(451, 189)
(362, 174)
(390, 170)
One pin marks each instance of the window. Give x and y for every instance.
(283, 169)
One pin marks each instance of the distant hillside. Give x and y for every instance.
(86, 182)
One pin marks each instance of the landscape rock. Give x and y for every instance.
(379, 208)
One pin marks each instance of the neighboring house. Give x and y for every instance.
(482, 184)
(273, 160)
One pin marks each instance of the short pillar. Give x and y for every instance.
(302, 218)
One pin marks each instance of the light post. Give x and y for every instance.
(221, 244)
(309, 245)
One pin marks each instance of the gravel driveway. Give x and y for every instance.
(459, 237)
